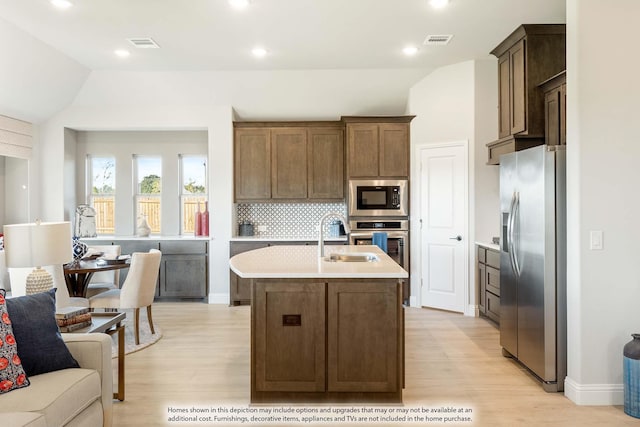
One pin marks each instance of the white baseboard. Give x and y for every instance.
(593, 394)
(472, 310)
(219, 298)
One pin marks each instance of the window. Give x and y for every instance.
(148, 173)
(102, 172)
(193, 189)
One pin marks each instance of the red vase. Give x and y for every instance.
(197, 222)
(204, 220)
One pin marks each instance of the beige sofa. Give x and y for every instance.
(69, 397)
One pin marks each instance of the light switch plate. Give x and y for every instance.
(596, 240)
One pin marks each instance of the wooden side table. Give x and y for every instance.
(110, 323)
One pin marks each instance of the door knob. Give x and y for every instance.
(458, 238)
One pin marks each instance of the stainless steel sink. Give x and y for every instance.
(352, 257)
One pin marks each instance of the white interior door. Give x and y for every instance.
(444, 239)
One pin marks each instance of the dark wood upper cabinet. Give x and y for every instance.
(252, 160)
(555, 107)
(529, 56)
(378, 147)
(288, 161)
(326, 163)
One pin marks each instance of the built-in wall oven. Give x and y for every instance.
(397, 231)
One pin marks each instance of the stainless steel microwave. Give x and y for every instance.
(378, 197)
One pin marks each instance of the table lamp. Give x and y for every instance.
(36, 245)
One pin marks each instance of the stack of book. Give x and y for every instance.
(71, 318)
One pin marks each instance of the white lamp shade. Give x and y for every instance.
(38, 244)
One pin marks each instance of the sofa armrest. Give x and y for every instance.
(93, 351)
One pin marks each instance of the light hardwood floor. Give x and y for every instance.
(451, 360)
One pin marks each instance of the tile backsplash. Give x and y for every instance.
(286, 220)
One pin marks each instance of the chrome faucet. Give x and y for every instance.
(341, 217)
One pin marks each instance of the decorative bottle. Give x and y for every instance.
(197, 226)
(204, 220)
(631, 374)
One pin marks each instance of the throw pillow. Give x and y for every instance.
(40, 345)
(12, 375)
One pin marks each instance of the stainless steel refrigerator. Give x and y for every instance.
(533, 320)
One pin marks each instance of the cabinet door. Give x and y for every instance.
(128, 247)
(504, 96)
(518, 88)
(552, 117)
(289, 163)
(363, 150)
(482, 286)
(183, 276)
(363, 329)
(289, 336)
(326, 163)
(394, 150)
(252, 163)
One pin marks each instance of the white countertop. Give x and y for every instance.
(285, 261)
(489, 245)
(286, 239)
(151, 237)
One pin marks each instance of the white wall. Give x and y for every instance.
(35, 79)
(453, 104)
(486, 177)
(216, 121)
(122, 146)
(603, 174)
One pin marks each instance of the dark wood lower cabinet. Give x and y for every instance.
(319, 340)
(488, 283)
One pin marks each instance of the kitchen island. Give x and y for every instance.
(324, 331)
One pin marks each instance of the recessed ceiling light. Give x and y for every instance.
(122, 53)
(259, 52)
(410, 50)
(438, 4)
(239, 4)
(62, 4)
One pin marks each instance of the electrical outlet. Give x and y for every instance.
(262, 228)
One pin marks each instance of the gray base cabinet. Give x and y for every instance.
(183, 271)
(488, 283)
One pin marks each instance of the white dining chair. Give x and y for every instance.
(104, 281)
(138, 289)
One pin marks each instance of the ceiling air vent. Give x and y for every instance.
(144, 43)
(438, 40)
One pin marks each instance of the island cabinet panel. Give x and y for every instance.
(326, 340)
(363, 328)
(289, 331)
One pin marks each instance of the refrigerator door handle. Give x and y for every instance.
(510, 231)
(514, 250)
